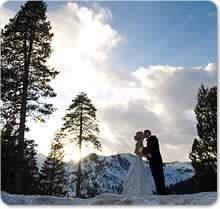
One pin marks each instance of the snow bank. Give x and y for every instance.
(206, 198)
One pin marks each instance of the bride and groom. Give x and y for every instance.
(137, 181)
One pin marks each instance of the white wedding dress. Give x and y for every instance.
(137, 181)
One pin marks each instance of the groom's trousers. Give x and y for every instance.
(158, 175)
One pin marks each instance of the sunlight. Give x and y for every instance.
(72, 153)
(158, 109)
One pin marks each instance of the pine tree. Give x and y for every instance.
(80, 126)
(52, 175)
(10, 162)
(9, 157)
(30, 175)
(25, 48)
(204, 149)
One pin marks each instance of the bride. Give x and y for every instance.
(137, 180)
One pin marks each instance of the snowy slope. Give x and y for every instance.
(40, 159)
(113, 199)
(106, 174)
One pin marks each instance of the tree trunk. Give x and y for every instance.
(27, 57)
(78, 193)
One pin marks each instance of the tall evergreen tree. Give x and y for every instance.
(52, 175)
(204, 149)
(81, 127)
(25, 48)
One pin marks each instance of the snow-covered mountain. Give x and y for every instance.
(106, 174)
(40, 159)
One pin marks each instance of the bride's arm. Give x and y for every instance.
(137, 147)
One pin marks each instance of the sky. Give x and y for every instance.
(141, 64)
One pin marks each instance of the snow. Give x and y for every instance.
(205, 198)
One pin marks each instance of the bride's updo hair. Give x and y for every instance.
(138, 135)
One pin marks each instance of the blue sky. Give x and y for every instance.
(141, 64)
(166, 33)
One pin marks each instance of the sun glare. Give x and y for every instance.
(72, 153)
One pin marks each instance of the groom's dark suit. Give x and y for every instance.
(156, 164)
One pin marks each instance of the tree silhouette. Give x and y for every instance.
(204, 149)
(52, 174)
(25, 48)
(80, 126)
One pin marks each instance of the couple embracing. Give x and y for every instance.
(137, 181)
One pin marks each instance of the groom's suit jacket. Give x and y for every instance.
(156, 164)
(154, 150)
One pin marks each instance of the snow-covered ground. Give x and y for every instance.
(206, 198)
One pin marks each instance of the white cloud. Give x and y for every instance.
(162, 98)
(81, 33)
(5, 14)
(171, 147)
(210, 67)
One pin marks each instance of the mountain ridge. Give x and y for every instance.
(106, 174)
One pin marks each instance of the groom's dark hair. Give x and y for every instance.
(148, 131)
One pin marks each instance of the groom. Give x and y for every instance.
(155, 161)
